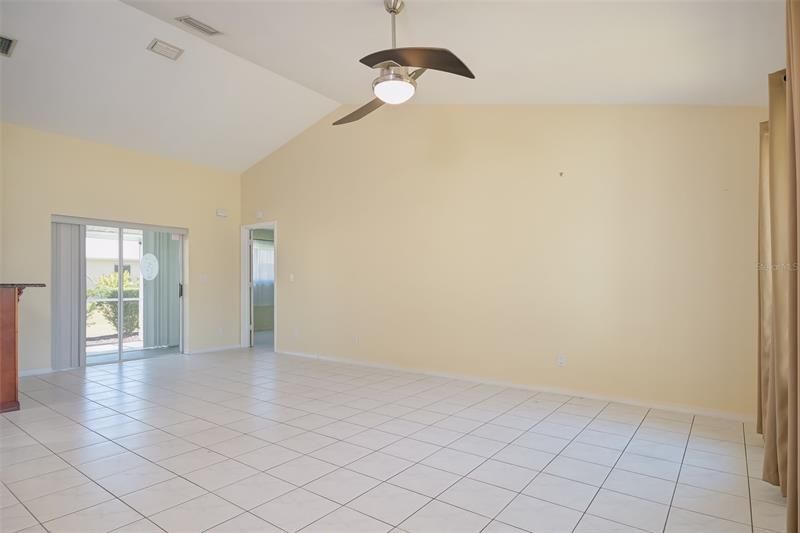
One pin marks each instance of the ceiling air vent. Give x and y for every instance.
(7, 45)
(165, 49)
(195, 24)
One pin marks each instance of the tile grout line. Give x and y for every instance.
(747, 473)
(680, 469)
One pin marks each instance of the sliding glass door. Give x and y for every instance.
(158, 302)
(102, 294)
(133, 293)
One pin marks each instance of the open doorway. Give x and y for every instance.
(259, 289)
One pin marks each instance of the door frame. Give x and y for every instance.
(120, 291)
(83, 222)
(246, 338)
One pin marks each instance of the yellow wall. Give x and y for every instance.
(445, 238)
(46, 174)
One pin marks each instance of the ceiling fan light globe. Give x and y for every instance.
(393, 87)
(394, 91)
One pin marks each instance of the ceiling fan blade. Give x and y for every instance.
(417, 73)
(429, 58)
(360, 113)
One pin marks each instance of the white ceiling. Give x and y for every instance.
(523, 51)
(81, 68)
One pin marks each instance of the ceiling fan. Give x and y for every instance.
(395, 84)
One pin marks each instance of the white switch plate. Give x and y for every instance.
(561, 360)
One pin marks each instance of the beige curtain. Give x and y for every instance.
(765, 420)
(778, 271)
(777, 282)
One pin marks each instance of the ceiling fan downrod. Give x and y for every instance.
(394, 8)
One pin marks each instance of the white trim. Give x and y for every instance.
(182, 284)
(121, 293)
(217, 349)
(64, 219)
(37, 371)
(727, 415)
(245, 294)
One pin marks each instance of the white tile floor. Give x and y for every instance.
(253, 442)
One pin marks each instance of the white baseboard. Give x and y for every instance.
(715, 413)
(216, 349)
(35, 372)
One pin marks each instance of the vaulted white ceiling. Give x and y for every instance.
(81, 68)
(522, 51)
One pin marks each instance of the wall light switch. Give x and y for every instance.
(222, 213)
(291, 277)
(259, 214)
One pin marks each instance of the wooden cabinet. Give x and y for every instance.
(10, 294)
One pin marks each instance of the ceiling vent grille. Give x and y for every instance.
(195, 24)
(165, 49)
(7, 45)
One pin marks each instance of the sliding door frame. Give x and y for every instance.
(121, 227)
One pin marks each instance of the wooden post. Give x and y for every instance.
(9, 314)
(10, 294)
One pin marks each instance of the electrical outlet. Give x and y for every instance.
(561, 360)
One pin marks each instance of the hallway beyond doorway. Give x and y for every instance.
(259, 286)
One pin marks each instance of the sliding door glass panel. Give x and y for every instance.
(158, 302)
(131, 319)
(133, 293)
(102, 294)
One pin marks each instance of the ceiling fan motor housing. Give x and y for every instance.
(394, 74)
